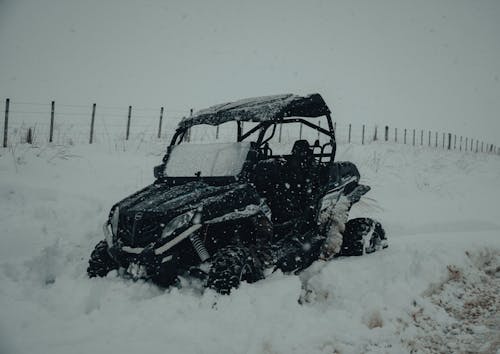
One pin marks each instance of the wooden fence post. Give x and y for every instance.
(444, 135)
(279, 133)
(159, 123)
(375, 135)
(477, 146)
(128, 122)
(466, 143)
(363, 136)
(449, 141)
(429, 138)
(404, 139)
(460, 143)
(91, 139)
(396, 135)
(482, 146)
(349, 135)
(413, 137)
(300, 131)
(188, 131)
(6, 123)
(421, 137)
(454, 141)
(436, 142)
(386, 133)
(29, 136)
(52, 109)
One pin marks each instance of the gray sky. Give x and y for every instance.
(432, 64)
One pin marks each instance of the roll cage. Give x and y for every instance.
(261, 141)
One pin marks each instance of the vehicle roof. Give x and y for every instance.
(260, 109)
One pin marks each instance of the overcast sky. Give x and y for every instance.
(416, 64)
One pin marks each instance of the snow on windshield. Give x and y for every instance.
(222, 159)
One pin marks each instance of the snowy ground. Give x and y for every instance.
(434, 290)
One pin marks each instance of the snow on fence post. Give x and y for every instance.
(363, 136)
(159, 123)
(386, 133)
(128, 122)
(6, 123)
(349, 135)
(413, 137)
(404, 139)
(52, 109)
(92, 119)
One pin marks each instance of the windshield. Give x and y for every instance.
(206, 160)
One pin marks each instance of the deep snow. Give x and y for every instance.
(434, 290)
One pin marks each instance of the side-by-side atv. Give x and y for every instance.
(229, 212)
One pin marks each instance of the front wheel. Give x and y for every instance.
(231, 265)
(362, 235)
(100, 262)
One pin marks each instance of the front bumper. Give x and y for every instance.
(147, 262)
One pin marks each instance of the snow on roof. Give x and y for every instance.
(260, 109)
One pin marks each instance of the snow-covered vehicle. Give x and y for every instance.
(227, 212)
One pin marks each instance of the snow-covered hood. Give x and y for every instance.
(144, 214)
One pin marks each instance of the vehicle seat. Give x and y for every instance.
(301, 169)
(302, 155)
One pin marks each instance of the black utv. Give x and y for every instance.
(226, 212)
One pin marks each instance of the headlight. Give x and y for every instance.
(178, 222)
(115, 218)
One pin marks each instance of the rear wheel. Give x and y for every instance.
(231, 265)
(100, 262)
(362, 235)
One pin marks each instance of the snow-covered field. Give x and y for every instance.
(434, 290)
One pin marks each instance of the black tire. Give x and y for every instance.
(230, 266)
(100, 262)
(362, 235)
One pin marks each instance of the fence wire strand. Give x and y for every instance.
(73, 122)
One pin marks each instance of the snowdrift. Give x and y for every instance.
(434, 290)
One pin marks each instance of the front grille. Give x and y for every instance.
(138, 233)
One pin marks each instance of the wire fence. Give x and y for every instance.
(38, 123)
